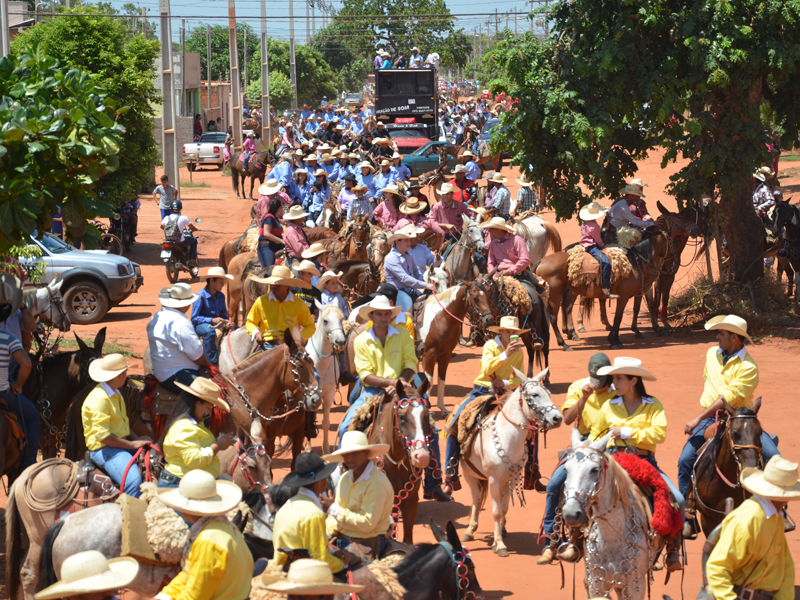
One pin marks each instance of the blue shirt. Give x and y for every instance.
(473, 170)
(402, 173)
(311, 126)
(8, 346)
(317, 198)
(306, 113)
(329, 116)
(335, 299)
(368, 182)
(281, 173)
(207, 307)
(423, 258)
(401, 271)
(299, 192)
(383, 179)
(357, 127)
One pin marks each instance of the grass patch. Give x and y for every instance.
(195, 184)
(115, 347)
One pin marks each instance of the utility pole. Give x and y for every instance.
(496, 22)
(546, 17)
(475, 55)
(531, 17)
(208, 64)
(292, 65)
(266, 117)
(183, 67)
(313, 17)
(236, 94)
(308, 26)
(244, 95)
(4, 33)
(144, 22)
(169, 146)
(516, 20)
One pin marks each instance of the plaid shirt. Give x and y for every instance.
(526, 199)
(502, 202)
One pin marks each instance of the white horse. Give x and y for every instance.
(602, 499)
(495, 464)
(47, 304)
(234, 347)
(328, 340)
(540, 237)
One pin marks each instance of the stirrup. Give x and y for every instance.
(569, 552)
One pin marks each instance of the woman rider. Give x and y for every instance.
(299, 187)
(187, 442)
(270, 238)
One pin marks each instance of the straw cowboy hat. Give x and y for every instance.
(496, 178)
(625, 365)
(215, 272)
(731, 323)
(366, 165)
(10, 291)
(778, 480)
(760, 176)
(767, 171)
(307, 267)
(206, 390)
(468, 153)
(177, 296)
(393, 189)
(356, 441)
(386, 162)
(412, 206)
(313, 250)
(497, 223)
(308, 468)
(322, 172)
(409, 232)
(459, 168)
(282, 275)
(359, 188)
(106, 368)
(300, 172)
(634, 187)
(508, 324)
(90, 573)
(200, 494)
(524, 181)
(592, 211)
(295, 212)
(447, 188)
(326, 277)
(379, 302)
(324, 157)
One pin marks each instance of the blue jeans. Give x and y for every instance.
(605, 265)
(114, 461)
(404, 300)
(266, 255)
(366, 392)
(29, 415)
(208, 335)
(190, 243)
(184, 376)
(430, 482)
(452, 441)
(165, 212)
(554, 485)
(167, 480)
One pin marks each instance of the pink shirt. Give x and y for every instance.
(419, 221)
(639, 209)
(249, 145)
(452, 215)
(294, 239)
(387, 214)
(590, 234)
(509, 254)
(263, 204)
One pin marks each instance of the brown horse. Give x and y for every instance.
(11, 450)
(358, 277)
(318, 234)
(352, 241)
(259, 164)
(239, 268)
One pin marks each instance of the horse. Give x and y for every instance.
(47, 304)
(460, 260)
(495, 464)
(233, 248)
(351, 243)
(256, 169)
(378, 246)
(786, 223)
(736, 444)
(359, 278)
(331, 217)
(11, 450)
(318, 234)
(241, 266)
(248, 464)
(495, 160)
(327, 341)
(539, 235)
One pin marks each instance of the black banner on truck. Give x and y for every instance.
(388, 105)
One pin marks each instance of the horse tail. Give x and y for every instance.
(14, 551)
(47, 573)
(587, 308)
(221, 262)
(552, 238)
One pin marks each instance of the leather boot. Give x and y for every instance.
(673, 560)
(570, 554)
(548, 556)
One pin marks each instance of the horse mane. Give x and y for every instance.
(641, 254)
(625, 492)
(330, 309)
(365, 414)
(446, 296)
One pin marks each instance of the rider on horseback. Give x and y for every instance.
(249, 147)
(592, 242)
(508, 253)
(471, 168)
(211, 311)
(447, 213)
(88, 575)
(621, 213)
(401, 271)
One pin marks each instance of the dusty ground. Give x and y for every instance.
(677, 362)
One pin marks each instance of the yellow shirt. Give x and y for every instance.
(363, 509)
(187, 446)
(389, 361)
(300, 523)
(103, 414)
(749, 536)
(273, 317)
(645, 428)
(592, 407)
(219, 567)
(736, 381)
(403, 320)
(494, 361)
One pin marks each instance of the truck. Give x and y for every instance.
(407, 103)
(208, 151)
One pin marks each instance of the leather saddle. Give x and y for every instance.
(63, 486)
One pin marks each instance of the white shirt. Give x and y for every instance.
(335, 508)
(182, 222)
(767, 506)
(174, 345)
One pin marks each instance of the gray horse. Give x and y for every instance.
(47, 304)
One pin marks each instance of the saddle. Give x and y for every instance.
(467, 425)
(157, 401)
(60, 485)
(14, 425)
(584, 270)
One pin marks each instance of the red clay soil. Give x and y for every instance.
(677, 362)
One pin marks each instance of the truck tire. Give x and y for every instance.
(86, 302)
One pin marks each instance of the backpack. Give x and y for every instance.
(172, 232)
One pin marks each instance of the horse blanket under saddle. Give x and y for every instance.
(247, 242)
(584, 270)
(468, 423)
(13, 424)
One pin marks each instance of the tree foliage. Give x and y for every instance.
(616, 78)
(220, 53)
(59, 136)
(280, 90)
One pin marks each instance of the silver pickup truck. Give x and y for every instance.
(208, 151)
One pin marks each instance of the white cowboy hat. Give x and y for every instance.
(409, 232)
(313, 250)
(90, 572)
(106, 368)
(508, 324)
(523, 181)
(393, 189)
(300, 171)
(634, 187)
(625, 365)
(307, 267)
(447, 188)
(767, 171)
(497, 223)
(326, 277)
(295, 212)
(760, 176)
(386, 163)
(177, 296)
(307, 577)
(592, 211)
(200, 494)
(459, 168)
(282, 275)
(273, 186)
(412, 206)
(468, 152)
(778, 480)
(731, 323)
(366, 165)
(206, 390)
(355, 441)
(215, 272)
(380, 302)
(322, 172)
(396, 155)
(496, 177)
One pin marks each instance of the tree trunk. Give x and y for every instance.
(744, 231)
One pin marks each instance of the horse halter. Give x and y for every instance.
(241, 460)
(293, 363)
(408, 444)
(478, 323)
(587, 499)
(461, 561)
(57, 301)
(736, 448)
(540, 412)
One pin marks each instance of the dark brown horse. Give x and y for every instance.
(351, 243)
(10, 450)
(358, 277)
(259, 164)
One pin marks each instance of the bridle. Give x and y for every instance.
(461, 561)
(57, 301)
(293, 363)
(735, 448)
(242, 455)
(588, 499)
(477, 317)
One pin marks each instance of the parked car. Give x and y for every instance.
(427, 159)
(353, 98)
(486, 132)
(208, 151)
(408, 140)
(94, 280)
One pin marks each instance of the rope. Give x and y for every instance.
(66, 493)
(447, 311)
(139, 451)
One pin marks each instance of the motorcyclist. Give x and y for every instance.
(182, 222)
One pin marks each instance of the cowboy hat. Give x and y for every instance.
(282, 275)
(393, 189)
(496, 177)
(592, 211)
(447, 188)
(307, 267)
(524, 181)
(414, 48)
(300, 172)
(396, 155)
(625, 365)
(378, 302)
(273, 186)
(200, 494)
(459, 168)
(412, 206)
(731, 323)
(206, 390)
(295, 212)
(177, 296)
(468, 153)
(89, 573)
(10, 291)
(324, 157)
(359, 188)
(473, 127)
(760, 176)
(106, 368)
(767, 171)
(313, 157)
(313, 250)
(298, 152)
(326, 277)
(215, 272)
(308, 468)
(635, 187)
(508, 324)
(322, 172)
(386, 162)
(409, 232)
(353, 155)
(366, 165)
(356, 441)
(307, 577)
(778, 480)
(497, 223)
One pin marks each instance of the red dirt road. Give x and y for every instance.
(677, 362)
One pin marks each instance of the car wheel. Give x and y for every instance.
(86, 302)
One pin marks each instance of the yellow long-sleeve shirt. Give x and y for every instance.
(645, 428)
(736, 381)
(301, 524)
(494, 361)
(103, 414)
(363, 508)
(389, 361)
(219, 567)
(753, 547)
(273, 317)
(594, 403)
(187, 446)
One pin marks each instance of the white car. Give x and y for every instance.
(208, 151)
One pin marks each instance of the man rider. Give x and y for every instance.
(174, 225)
(447, 212)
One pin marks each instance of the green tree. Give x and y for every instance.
(220, 53)
(351, 67)
(616, 78)
(280, 90)
(58, 138)
(490, 69)
(124, 65)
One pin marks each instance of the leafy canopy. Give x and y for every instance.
(280, 90)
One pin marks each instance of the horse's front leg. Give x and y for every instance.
(326, 416)
(613, 336)
(652, 308)
(528, 341)
(475, 492)
(637, 305)
(499, 492)
(409, 509)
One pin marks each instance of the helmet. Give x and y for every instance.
(176, 206)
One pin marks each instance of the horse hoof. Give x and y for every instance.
(467, 537)
(617, 346)
(502, 553)
(581, 329)
(566, 348)
(639, 335)
(662, 333)
(575, 337)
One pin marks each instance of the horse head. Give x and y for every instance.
(301, 366)
(474, 234)
(464, 584)
(86, 355)
(49, 305)
(540, 407)
(781, 216)
(743, 433)
(378, 242)
(254, 462)
(330, 319)
(412, 420)
(675, 225)
(480, 297)
(586, 470)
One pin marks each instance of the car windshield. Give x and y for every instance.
(425, 149)
(55, 245)
(213, 138)
(408, 133)
(490, 124)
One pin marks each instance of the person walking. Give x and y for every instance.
(166, 193)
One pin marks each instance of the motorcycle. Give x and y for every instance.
(176, 258)
(123, 225)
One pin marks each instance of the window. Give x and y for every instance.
(411, 82)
